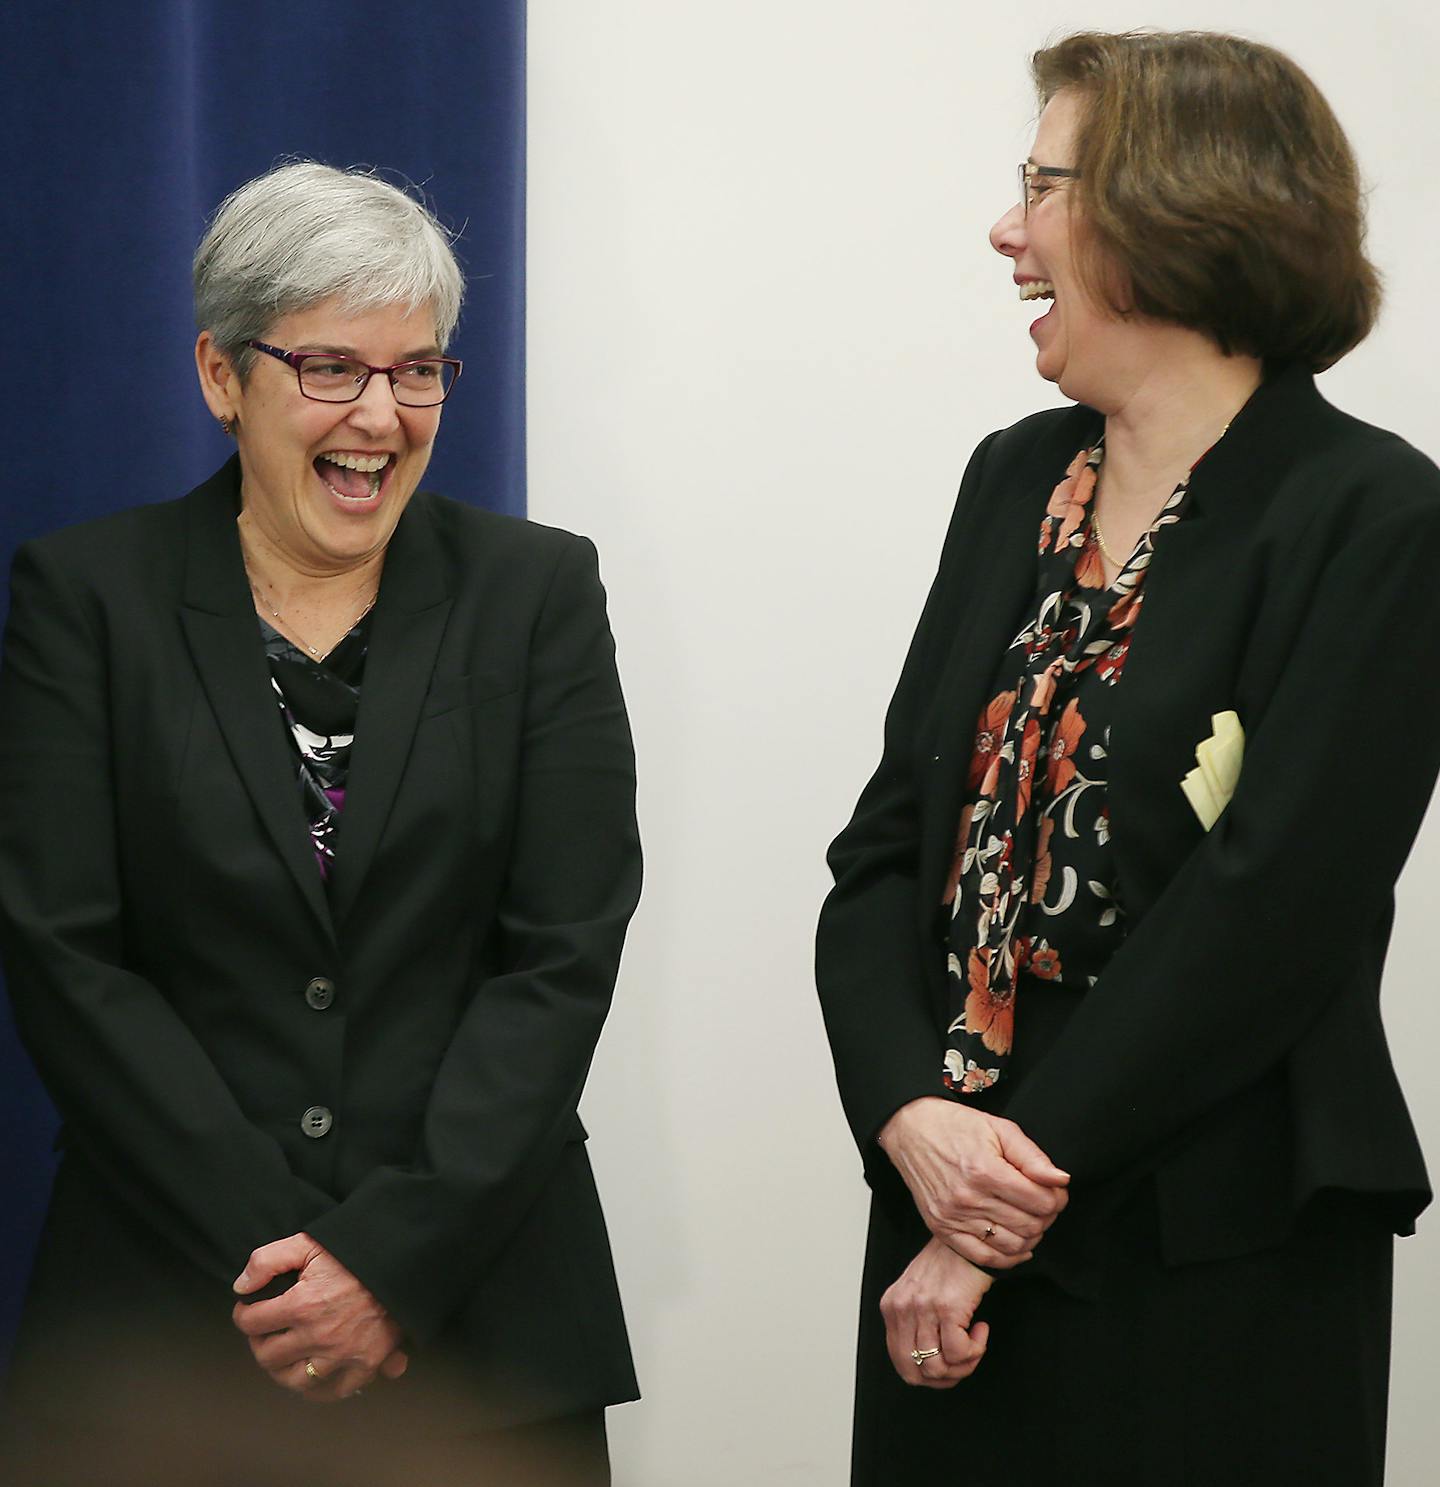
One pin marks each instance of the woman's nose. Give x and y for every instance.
(1008, 234)
(375, 410)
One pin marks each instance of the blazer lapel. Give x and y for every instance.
(406, 629)
(1007, 559)
(223, 634)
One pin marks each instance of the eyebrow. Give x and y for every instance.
(331, 349)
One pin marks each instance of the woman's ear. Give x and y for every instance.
(219, 383)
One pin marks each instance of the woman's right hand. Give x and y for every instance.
(981, 1185)
(931, 1333)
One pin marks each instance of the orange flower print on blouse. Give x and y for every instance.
(1109, 667)
(1064, 740)
(966, 1076)
(1040, 878)
(1070, 502)
(1089, 566)
(1025, 765)
(1124, 610)
(989, 1009)
(989, 740)
(1044, 963)
(1032, 877)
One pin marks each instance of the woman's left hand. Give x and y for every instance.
(327, 1336)
(932, 1306)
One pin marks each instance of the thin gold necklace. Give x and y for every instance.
(275, 614)
(1095, 510)
(1100, 539)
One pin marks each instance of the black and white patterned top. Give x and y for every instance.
(319, 701)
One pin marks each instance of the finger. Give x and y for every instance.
(1022, 1153)
(277, 1258)
(979, 1341)
(1004, 1241)
(255, 1318)
(979, 1252)
(982, 1212)
(963, 1352)
(301, 1376)
(899, 1335)
(930, 1369)
(395, 1365)
(956, 1347)
(898, 1345)
(1003, 1184)
(323, 1382)
(282, 1350)
(344, 1383)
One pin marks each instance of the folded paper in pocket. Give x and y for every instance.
(1209, 786)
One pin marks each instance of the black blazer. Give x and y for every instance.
(1233, 1046)
(165, 929)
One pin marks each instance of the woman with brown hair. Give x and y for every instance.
(1101, 965)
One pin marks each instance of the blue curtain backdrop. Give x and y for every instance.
(127, 122)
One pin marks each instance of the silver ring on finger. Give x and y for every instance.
(921, 1354)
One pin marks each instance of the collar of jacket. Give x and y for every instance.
(221, 627)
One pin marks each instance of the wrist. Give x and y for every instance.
(894, 1131)
(975, 1275)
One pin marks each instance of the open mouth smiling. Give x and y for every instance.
(351, 476)
(1037, 289)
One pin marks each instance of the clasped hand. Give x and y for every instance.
(930, 1328)
(981, 1185)
(326, 1319)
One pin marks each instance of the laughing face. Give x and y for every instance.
(325, 483)
(1078, 342)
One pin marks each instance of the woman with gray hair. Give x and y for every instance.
(317, 849)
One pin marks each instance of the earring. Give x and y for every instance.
(227, 426)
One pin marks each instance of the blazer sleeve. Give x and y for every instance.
(503, 1101)
(137, 1092)
(879, 1015)
(1282, 903)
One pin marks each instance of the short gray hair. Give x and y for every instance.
(305, 232)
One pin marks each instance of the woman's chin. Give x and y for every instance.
(1050, 366)
(346, 533)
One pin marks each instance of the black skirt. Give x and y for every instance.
(1267, 1370)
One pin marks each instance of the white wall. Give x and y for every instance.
(766, 332)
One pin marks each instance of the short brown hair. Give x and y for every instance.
(1218, 182)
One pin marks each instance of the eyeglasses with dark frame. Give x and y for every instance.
(1030, 173)
(327, 378)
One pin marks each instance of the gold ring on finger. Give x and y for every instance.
(921, 1354)
(311, 1372)
(990, 1231)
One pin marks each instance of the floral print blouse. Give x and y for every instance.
(1032, 890)
(318, 701)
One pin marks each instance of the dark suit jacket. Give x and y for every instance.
(163, 917)
(1233, 1046)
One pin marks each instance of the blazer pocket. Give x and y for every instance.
(451, 692)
